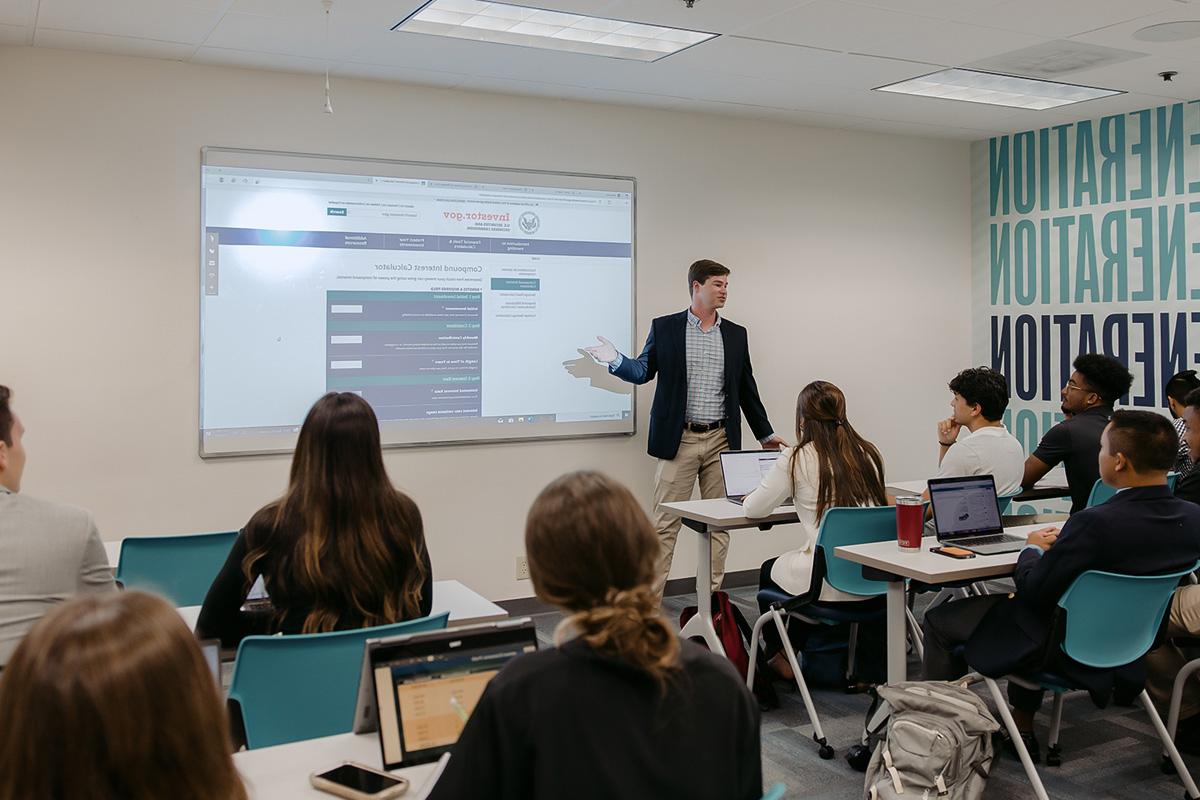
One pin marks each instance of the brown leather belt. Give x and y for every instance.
(704, 427)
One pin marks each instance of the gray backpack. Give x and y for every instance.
(938, 744)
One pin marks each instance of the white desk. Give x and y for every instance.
(465, 605)
(281, 772)
(927, 567)
(1054, 480)
(706, 517)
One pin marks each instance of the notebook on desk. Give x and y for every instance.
(743, 471)
(966, 513)
(419, 689)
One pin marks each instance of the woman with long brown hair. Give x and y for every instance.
(341, 549)
(619, 707)
(831, 466)
(109, 697)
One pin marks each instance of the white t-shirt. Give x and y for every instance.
(988, 451)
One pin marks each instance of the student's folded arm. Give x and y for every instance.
(772, 491)
(221, 616)
(95, 573)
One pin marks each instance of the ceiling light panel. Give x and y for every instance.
(506, 23)
(972, 86)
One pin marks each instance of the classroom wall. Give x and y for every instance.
(850, 255)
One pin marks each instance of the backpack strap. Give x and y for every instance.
(887, 762)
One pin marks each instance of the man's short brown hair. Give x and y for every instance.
(704, 269)
(6, 417)
(1147, 439)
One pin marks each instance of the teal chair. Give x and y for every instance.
(1110, 620)
(304, 686)
(775, 792)
(840, 527)
(1101, 491)
(180, 568)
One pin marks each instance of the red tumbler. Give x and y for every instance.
(910, 519)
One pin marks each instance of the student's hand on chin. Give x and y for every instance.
(1043, 537)
(948, 430)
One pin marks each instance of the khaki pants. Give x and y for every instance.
(698, 456)
(1163, 664)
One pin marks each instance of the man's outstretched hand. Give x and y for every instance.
(605, 352)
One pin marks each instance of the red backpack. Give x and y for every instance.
(734, 632)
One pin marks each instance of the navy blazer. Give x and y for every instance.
(1139, 531)
(665, 355)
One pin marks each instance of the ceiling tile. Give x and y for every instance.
(162, 20)
(1122, 35)
(116, 45)
(712, 16)
(940, 9)
(1062, 17)
(16, 12)
(384, 72)
(12, 34)
(255, 60)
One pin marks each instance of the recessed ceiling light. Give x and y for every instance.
(505, 23)
(1169, 31)
(991, 88)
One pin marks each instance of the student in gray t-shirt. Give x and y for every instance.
(1087, 399)
(48, 552)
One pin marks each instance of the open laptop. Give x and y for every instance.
(419, 689)
(743, 471)
(966, 513)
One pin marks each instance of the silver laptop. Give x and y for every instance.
(419, 689)
(743, 471)
(966, 513)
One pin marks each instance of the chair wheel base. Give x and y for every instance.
(1166, 766)
(1054, 756)
(824, 751)
(858, 757)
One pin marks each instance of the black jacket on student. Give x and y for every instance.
(569, 722)
(665, 355)
(1139, 531)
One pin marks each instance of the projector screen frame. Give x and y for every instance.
(211, 150)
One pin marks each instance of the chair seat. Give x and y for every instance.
(868, 609)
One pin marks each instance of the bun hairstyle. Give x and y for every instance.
(851, 469)
(108, 697)
(593, 552)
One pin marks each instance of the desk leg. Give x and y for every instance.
(702, 624)
(897, 632)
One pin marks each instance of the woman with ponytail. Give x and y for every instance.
(619, 707)
(831, 466)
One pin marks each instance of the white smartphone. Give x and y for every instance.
(358, 782)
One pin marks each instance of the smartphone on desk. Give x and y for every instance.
(952, 552)
(358, 782)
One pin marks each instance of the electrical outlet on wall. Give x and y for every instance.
(522, 568)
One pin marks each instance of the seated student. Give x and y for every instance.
(1177, 390)
(619, 707)
(830, 466)
(341, 549)
(48, 552)
(1142, 530)
(110, 698)
(1087, 399)
(980, 396)
(1163, 663)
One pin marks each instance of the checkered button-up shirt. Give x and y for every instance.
(1183, 461)
(705, 371)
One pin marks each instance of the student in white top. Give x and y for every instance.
(979, 398)
(830, 466)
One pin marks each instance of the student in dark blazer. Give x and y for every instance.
(705, 382)
(1142, 530)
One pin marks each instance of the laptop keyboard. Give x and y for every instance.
(980, 541)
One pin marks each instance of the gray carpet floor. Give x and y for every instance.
(1107, 754)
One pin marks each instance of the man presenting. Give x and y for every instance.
(705, 382)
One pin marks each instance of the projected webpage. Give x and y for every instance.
(455, 307)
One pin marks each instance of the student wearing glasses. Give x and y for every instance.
(1087, 400)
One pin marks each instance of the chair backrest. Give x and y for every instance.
(848, 526)
(303, 686)
(1005, 501)
(1102, 492)
(180, 568)
(775, 792)
(1113, 619)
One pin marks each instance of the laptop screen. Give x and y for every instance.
(744, 470)
(965, 506)
(427, 686)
